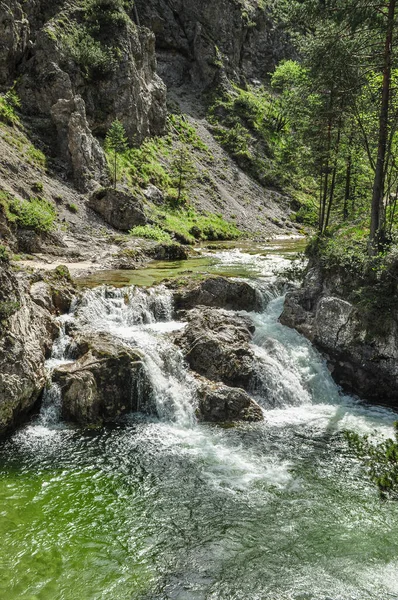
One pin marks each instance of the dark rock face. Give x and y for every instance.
(107, 381)
(27, 332)
(219, 403)
(121, 210)
(363, 357)
(219, 292)
(195, 38)
(215, 344)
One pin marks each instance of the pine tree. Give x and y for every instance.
(116, 142)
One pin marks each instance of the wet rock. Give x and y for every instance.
(173, 251)
(121, 210)
(107, 381)
(27, 332)
(219, 403)
(215, 344)
(361, 349)
(221, 293)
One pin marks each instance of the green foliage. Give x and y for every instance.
(73, 208)
(37, 187)
(37, 214)
(188, 227)
(9, 103)
(151, 232)
(115, 144)
(93, 57)
(380, 460)
(4, 255)
(8, 308)
(183, 170)
(36, 157)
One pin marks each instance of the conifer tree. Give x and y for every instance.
(116, 143)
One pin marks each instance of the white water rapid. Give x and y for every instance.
(165, 508)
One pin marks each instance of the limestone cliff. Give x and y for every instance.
(359, 341)
(202, 42)
(79, 66)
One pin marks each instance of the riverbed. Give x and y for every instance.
(163, 508)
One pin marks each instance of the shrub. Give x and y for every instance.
(73, 208)
(8, 308)
(37, 187)
(4, 256)
(37, 214)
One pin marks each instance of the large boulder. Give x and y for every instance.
(215, 343)
(121, 210)
(219, 292)
(107, 381)
(219, 403)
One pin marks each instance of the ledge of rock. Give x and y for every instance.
(219, 292)
(219, 403)
(107, 381)
(119, 209)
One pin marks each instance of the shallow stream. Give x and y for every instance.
(165, 508)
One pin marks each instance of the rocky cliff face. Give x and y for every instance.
(28, 306)
(79, 66)
(361, 346)
(201, 41)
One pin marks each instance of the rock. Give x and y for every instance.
(173, 251)
(77, 144)
(27, 332)
(106, 382)
(154, 195)
(215, 343)
(121, 210)
(219, 292)
(219, 403)
(41, 294)
(199, 41)
(362, 356)
(60, 89)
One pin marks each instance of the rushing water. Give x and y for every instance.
(165, 508)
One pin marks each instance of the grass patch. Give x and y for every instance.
(151, 232)
(188, 227)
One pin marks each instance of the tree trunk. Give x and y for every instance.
(376, 222)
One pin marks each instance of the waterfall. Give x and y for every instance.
(288, 370)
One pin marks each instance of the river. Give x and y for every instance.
(163, 508)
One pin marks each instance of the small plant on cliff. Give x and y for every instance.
(8, 105)
(37, 214)
(4, 256)
(380, 459)
(116, 143)
(8, 308)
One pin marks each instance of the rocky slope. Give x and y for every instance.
(359, 343)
